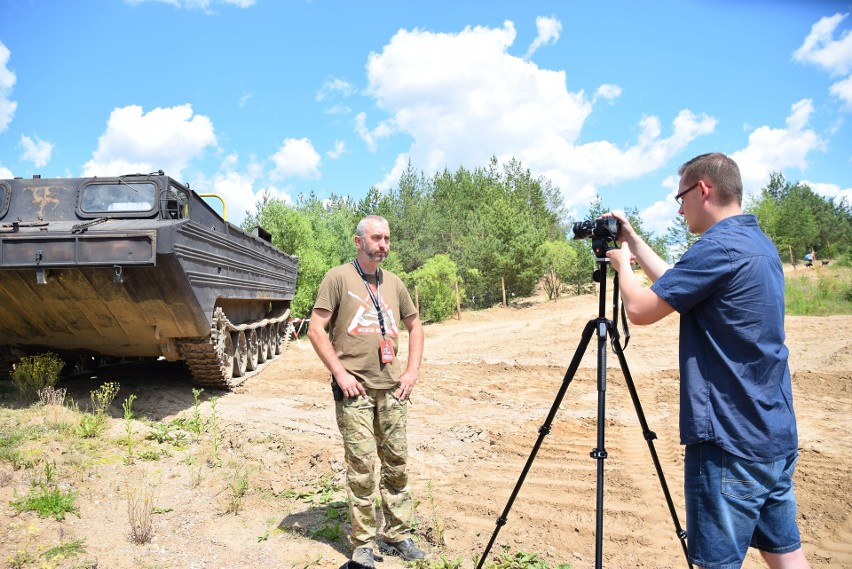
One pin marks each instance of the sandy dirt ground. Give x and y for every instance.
(488, 383)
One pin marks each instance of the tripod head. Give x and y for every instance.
(600, 245)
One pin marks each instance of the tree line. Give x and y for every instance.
(479, 232)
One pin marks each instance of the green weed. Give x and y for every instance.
(127, 406)
(103, 397)
(265, 535)
(162, 433)
(315, 562)
(150, 454)
(65, 550)
(94, 423)
(34, 373)
(332, 527)
(195, 425)
(439, 563)
(238, 486)
(320, 491)
(437, 530)
(91, 426)
(12, 437)
(46, 499)
(522, 560)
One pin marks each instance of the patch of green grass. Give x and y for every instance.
(160, 432)
(332, 527)
(822, 291)
(91, 425)
(12, 437)
(239, 487)
(437, 563)
(46, 498)
(321, 491)
(65, 550)
(151, 454)
(518, 560)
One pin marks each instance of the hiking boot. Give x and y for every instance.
(406, 549)
(363, 556)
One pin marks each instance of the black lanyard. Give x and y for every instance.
(376, 298)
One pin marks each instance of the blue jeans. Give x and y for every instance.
(733, 503)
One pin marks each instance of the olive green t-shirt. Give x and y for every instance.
(354, 326)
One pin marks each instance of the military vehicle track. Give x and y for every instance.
(215, 362)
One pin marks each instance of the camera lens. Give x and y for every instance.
(583, 229)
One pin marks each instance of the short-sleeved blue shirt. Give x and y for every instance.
(735, 386)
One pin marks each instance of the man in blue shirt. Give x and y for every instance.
(736, 416)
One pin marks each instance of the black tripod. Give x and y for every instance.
(604, 328)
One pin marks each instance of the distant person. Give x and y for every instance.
(809, 259)
(736, 402)
(362, 305)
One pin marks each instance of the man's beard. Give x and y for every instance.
(376, 257)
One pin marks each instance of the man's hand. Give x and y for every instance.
(415, 354)
(625, 232)
(406, 385)
(621, 259)
(349, 385)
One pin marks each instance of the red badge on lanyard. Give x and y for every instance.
(387, 351)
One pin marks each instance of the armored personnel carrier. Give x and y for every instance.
(138, 266)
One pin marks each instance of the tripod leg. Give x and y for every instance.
(599, 452)
(543, 431)
(649, 438)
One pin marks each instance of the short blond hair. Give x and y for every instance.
(721, 170)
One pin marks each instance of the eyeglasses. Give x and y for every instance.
(679, 197)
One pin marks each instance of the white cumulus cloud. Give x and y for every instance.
(238, 186)
(831, 191)
(338, 150)
(7, 81)
(608, 92)
(820, 47)
(37, 151)
(462, 98)
(296, 158)
(549, 29)
(203, 5)
(774, 149)
(165, 139)
(334, 87)
(843, 90)
(834, 55)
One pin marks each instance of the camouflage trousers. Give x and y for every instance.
(373, 427)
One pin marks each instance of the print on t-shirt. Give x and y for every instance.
(366, 320)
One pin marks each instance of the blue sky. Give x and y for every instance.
(286, 97)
